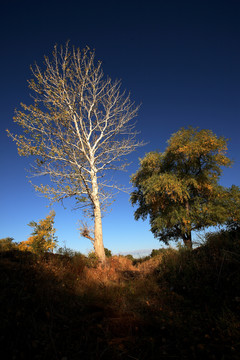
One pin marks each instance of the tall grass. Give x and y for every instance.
(179, 304)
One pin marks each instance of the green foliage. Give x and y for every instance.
(65, 251)
(7, 244)
(93, 260)
(156, 252)
(130, 257)
(108, 253)
(179, 190)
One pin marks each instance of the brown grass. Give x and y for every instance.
(179, 304)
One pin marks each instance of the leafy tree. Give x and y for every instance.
(78, 129)
(130, 257)
(42, 238)
(179, 188)
(7, 244)
(156, 252)
(108, 252)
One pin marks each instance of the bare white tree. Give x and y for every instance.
(77, 128)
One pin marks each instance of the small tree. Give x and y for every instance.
(78, 128)
(108, 253)
(179, 188)
(7, 244)
(42, 238)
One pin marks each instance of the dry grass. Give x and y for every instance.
(114, 271)
(179, 304)
(149, 266)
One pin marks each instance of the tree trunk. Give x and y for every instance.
(98, 237)
(187, 239)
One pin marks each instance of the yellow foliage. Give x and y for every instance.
(42, 239)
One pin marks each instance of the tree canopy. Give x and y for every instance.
(179, 189)
(78, 128)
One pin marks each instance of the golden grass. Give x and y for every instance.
(178, 304)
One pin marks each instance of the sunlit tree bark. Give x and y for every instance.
(78, 128)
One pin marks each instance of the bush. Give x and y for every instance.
(7, 244)
(130, 257)
(65, 251)
(156, 252)
(178, 268)
(141, 260)
(223, 239)
(108, 253)
(92, 260)
(78, 262)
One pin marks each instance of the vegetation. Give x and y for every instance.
(180, 303)
(179, 189)
(42, 238)
(108, 252)
(7, 244)
(77, 129)
(176, 303)
(156, 252)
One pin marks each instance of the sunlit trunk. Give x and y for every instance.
(98, 237)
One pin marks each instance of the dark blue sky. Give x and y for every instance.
(180, 59)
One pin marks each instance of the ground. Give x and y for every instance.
(180, 304)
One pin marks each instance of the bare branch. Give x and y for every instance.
(78, 127)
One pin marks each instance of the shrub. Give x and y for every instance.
(7, 244)
(108, 253)
(78, 262)
(223, 239)
(92, 259)
(156, 252)
(65, 251)
(130, 257)
(141, 260)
